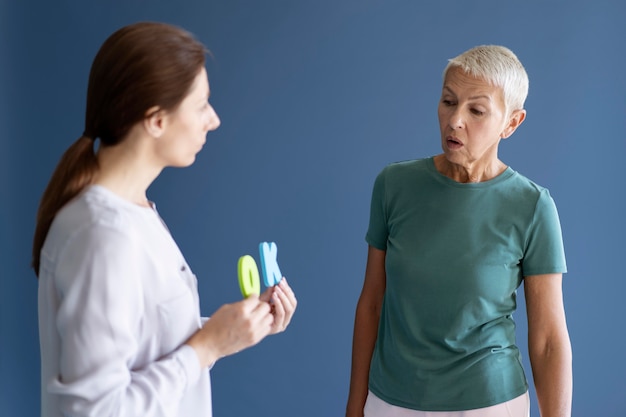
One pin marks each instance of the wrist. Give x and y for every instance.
(207, 356)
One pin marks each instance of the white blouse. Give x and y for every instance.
(117, 301)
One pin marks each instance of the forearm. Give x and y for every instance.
(364, 339)
(552, 373)
(114, 390)
(205, 350)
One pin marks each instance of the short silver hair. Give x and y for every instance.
(498, 66)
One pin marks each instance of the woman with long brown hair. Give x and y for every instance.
(119, 321)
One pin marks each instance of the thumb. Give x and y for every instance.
(267, 295)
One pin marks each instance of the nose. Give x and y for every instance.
(456, 119)
(213, 120)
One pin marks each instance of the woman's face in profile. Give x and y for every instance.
(472, 119)
(187, 126)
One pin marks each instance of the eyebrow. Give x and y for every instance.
(485, 96)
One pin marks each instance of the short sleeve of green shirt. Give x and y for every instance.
(544, 252)
(377, 231)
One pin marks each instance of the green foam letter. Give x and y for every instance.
(248, 272)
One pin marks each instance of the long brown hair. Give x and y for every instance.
(139, 66)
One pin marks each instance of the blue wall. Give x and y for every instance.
(315, 98)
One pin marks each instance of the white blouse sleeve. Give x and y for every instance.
(100, 303)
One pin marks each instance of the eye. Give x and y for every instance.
(477, 112)
(446, 102)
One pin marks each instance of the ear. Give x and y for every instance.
(154, 121)
(515, 119)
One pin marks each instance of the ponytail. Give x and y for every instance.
(74, 172)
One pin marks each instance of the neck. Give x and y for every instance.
(471, 173)
(125, 170)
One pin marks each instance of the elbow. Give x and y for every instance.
(369, 306)
(551, 349)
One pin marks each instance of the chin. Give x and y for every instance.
(190, 162)
(184, 163)
(448, 154)
(453, 157)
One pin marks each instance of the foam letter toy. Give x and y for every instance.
(248, 272)
(269, 264)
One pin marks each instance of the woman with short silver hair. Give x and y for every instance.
(451, 238)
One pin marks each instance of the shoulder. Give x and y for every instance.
(398, 172)
(93, 217)
(407, 166)
(536, 202)
(524, 183)
(527, 189)
(97, 205)
(93, 237)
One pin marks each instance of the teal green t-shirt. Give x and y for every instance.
(455, 255)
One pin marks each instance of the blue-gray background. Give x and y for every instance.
(315, 98)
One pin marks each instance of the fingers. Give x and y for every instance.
(237, 326)
(285, 303)
(240, 325)
(256, 318)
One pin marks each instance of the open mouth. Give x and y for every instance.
(453, 143)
